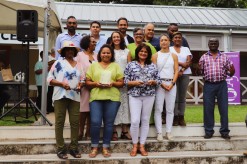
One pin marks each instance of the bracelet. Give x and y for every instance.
(173, 83)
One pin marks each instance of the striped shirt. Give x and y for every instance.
(214, 70)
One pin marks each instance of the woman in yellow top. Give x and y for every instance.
(104, 78)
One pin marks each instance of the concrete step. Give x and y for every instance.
(32, 147)
(48, 132)
(191, 157)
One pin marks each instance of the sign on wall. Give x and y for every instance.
(233, 83)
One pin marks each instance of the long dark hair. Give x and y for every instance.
(138, 49)
(122, 42)
(112, 52)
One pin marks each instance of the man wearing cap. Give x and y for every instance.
(67, 77)
(68, 35)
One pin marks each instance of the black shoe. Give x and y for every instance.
(208, 136)
(225, 136)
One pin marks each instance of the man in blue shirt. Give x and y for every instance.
(95, 28)
(149, 36)
(68, 35)
(173, 27)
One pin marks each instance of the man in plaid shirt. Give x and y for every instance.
(215, 66)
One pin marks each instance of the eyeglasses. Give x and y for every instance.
(138, 34)
(72, 23)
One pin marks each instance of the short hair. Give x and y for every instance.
(173, 24)
(137, 29)
(53, 50)
(64, 50)
(71, 17)
(122, 18)
(112, 52)
(176, 33)
(122, 42)
(96, 23)
(138, 49)
(85, 42)
(41, 54)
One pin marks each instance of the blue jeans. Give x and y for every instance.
(105, 110)
(210, 91)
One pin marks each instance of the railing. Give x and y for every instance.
(195, 89)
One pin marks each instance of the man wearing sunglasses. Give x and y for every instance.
(70, 35)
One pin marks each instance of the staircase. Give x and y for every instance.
(36, 144)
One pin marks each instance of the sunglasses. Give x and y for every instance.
(72, 23)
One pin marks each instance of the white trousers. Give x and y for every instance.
(140, 111)
(169, 97)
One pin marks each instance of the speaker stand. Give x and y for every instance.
(27, 100)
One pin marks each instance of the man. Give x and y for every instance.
(68, 35)
(173, 27)
(51, 60)
(215, 66)
(122, 25)
(95, 28)
(38, 69)
(149, 36)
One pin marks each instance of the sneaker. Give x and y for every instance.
(160, 137)
(169, 136)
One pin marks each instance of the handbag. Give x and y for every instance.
(7, 74)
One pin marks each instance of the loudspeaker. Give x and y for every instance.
(27, 25)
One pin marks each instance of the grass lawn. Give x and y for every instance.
(194, 113)
(9, 120)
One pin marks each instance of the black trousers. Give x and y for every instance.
(4, 96)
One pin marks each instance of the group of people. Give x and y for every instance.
(123, 80)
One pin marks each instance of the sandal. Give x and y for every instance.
(106, 153)
(62, 154)
(143, 151)
(134, 150)
(126, 136)
(114, 136)
(75, 153)
(93, 153)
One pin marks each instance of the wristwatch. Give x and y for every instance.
(173, 83)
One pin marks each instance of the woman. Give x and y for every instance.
(138, 38)
(141, 77)
(122, 57)
(184, 61)
(167, 64)
(66, 76)
(86, 57)
(104, 78)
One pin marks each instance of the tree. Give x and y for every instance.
(199, 3)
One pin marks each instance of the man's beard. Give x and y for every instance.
(71, 29)
(123, 30)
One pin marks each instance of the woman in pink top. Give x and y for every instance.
(86, 57)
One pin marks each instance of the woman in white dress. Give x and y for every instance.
(122, 57)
